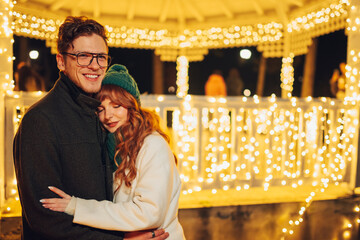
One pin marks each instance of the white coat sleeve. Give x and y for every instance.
(152, 194)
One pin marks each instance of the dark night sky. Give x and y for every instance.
(331, 51)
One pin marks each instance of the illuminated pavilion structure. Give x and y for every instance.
(233, 150)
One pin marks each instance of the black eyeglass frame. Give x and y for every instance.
(94, 55)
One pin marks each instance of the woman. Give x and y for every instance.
(146, 181)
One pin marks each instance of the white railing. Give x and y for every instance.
(238, 143)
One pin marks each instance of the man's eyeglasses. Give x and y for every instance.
(84, 59)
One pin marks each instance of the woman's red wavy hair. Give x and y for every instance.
(130, 137)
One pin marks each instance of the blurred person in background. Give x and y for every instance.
(27, 79)
(234, 83)
(338, 81)
(215, 85)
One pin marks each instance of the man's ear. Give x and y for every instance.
(60, 62)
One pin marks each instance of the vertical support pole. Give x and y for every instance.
(182, 80)
(287, 69)
(352, 88)
(261, 77)
(6, 69)
(309, 71)
(158, 76)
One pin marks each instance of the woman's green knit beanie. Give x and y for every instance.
(118, 75)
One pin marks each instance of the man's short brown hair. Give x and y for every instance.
(74, 27)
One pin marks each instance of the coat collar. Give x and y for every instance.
(78, 95)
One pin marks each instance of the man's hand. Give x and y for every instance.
(159, 234)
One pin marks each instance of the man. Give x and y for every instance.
(60, 142)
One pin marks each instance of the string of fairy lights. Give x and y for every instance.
(292, 145)
(182, 66)
(271, 143)
(352, 91)
(265, 140)
(263, 143)
(309, 24)
(123, 36)
(301, 29)
(5, 50)
(287, 75)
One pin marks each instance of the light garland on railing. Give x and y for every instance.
(269, 142)
(271, 145)
(217, 146)
(318, 139)
(331, 169)
(185, 132)
(256, 159)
